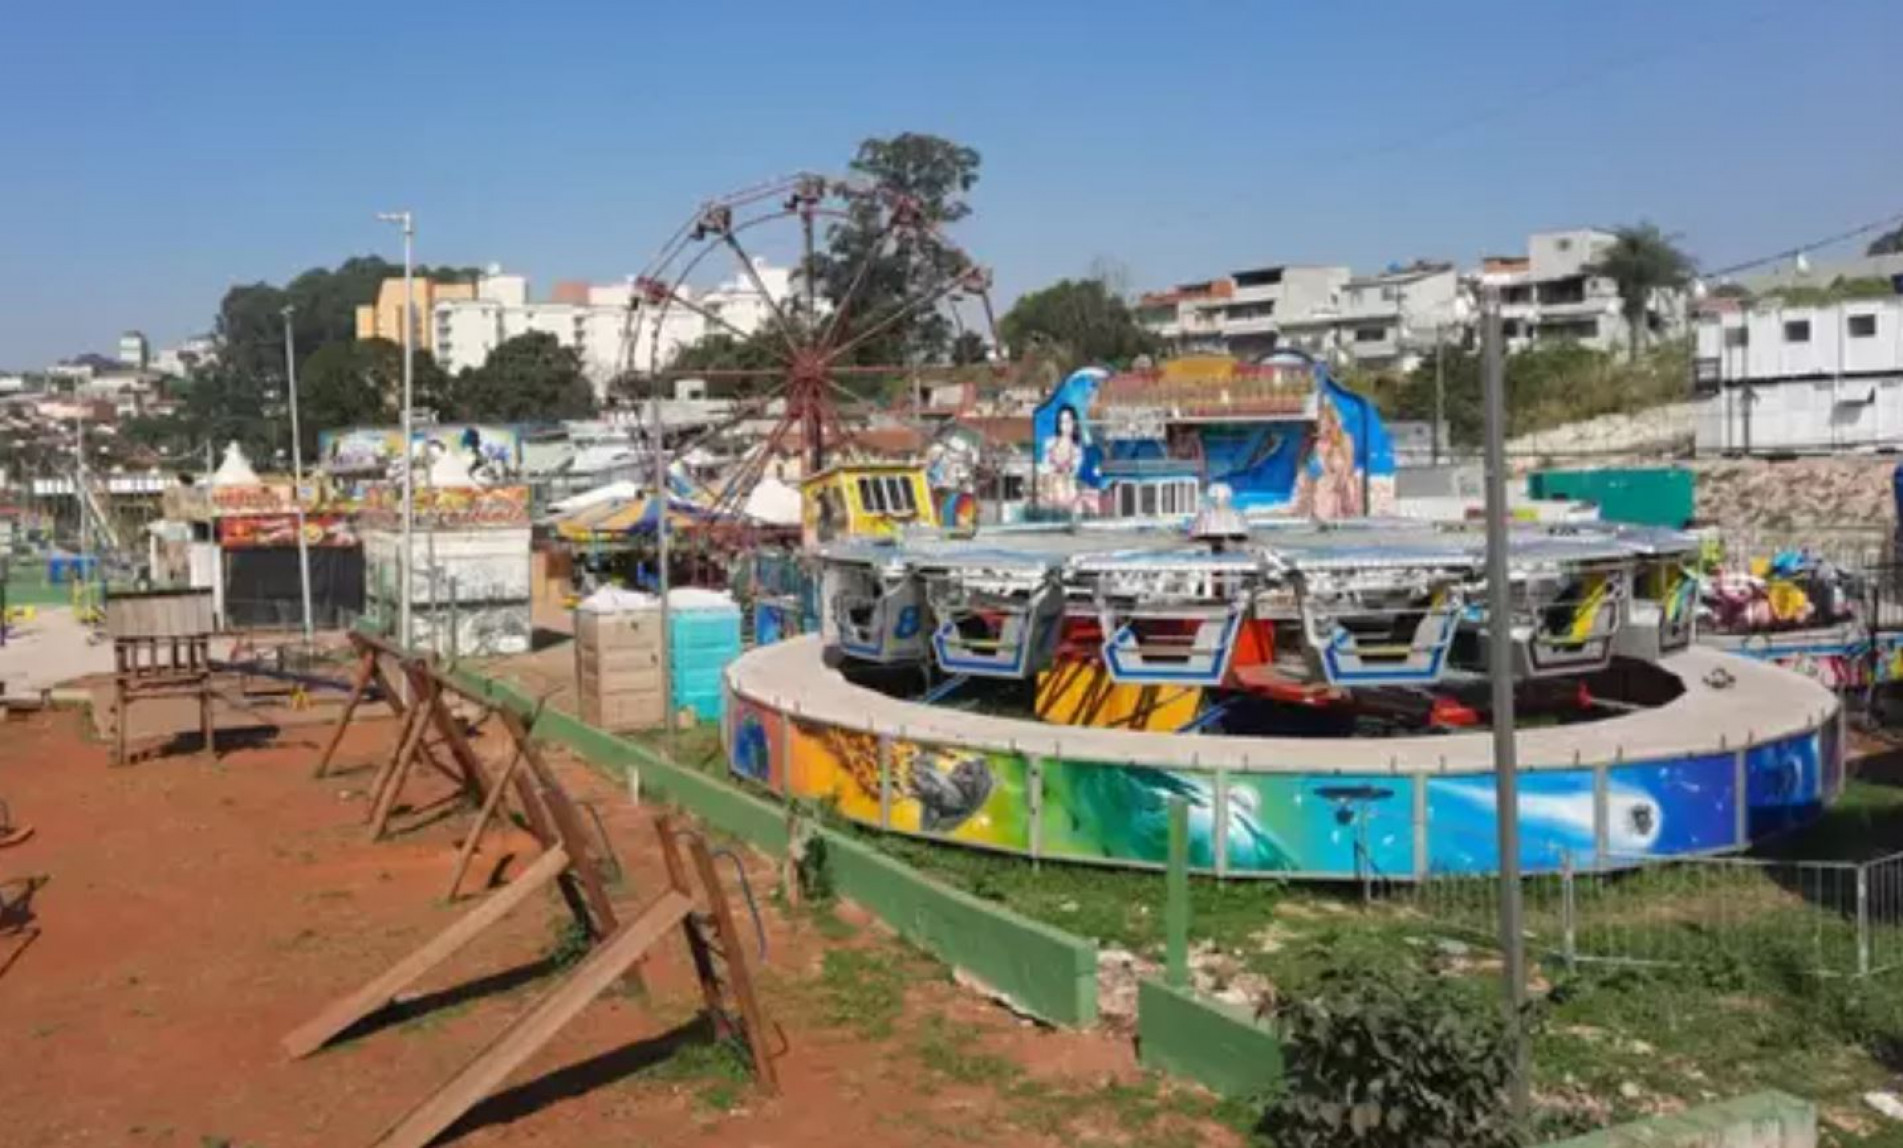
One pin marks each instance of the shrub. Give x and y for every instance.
(1391, 1060)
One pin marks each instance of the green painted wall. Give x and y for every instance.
(1213, 1044)
(1760, 1120)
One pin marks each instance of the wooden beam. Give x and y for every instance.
(488, 812)
(359, 687)
(350, 1009)
(526, 1036)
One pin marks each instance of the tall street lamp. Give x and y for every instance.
(297, 474)
(1506, 777)
(405, 561)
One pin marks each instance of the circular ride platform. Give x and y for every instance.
(1745, 750)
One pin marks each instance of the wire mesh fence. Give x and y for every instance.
(1834, 918)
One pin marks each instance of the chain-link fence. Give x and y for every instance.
(1836, 918)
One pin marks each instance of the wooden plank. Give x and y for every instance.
(544, 1019)
(348, 1010)
(393, 779)
(489, 807)
(566, 824)
(459, 748)
(359, 687)
(739, 976)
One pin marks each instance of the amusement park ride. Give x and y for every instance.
(1139, 605)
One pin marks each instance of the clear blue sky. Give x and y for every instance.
(153, 154)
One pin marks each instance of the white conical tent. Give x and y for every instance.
(235, 470)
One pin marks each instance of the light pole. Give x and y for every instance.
(1506, 780)
(297, 475)
(405, 561)
(661, 557)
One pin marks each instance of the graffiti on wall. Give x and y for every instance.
(977, 796)
(1348, 824)
(1783, 783)
(1313, 824)
(754, 741)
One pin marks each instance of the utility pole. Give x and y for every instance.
(1506, 780)
(1440, 388)
(661, 551)
(297, 475)
(406, 562)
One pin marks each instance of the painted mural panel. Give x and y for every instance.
(1689, 805)
(1556, 818)
(1347, 825)
(836, 765)
(1121, 812)
(973, 795)
(1783, 783)
(755, 741)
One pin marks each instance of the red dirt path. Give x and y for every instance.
(193, 913)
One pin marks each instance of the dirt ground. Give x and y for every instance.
(170, 921)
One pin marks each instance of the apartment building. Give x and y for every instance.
(1775, 379)
(597, 321)
(1388, 321)
(1549, 295)
(384, 318)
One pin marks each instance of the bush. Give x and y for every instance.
(1392, 1060)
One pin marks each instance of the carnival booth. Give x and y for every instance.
(256, 523)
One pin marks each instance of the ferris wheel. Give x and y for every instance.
(812, 333)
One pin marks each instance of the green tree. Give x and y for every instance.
(1643, 263)
(969, 349)
(1083, 317)
(934, 175)
(352, 383)
(530, 378)
(1889, 243)
(763, 351)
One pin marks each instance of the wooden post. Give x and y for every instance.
(489, 807)
(739, 977)
(359, 687)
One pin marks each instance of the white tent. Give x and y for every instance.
(235, 470)
(774, 503)
(623, 491)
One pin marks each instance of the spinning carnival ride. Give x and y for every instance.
(1210, 611)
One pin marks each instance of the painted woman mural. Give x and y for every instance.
(1330, 485)
(1062, 463)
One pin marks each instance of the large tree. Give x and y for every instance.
(530, 378)
(719, 351)
(934, 175)
(1643, 262)
(1082, 318)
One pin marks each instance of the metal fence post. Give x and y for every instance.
(1176, 896)
(1567, 876)
(1863, 920)
(455, 648)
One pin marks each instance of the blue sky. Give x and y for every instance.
(153, 154)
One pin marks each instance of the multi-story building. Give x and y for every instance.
(1188, 316)
(384, 318)
(599, 324)
(1387, 321)
(134, 351)
(1550, 294)
(1775, 379)
(188, 356)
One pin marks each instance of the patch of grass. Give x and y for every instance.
(950, 1049)
(720, 1070)
(862, 989)
(569, 944)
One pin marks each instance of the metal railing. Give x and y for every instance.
(1829, 918)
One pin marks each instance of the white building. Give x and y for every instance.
(134, 351)
(1243, 314)
(1548, 296)
(1387, 321)
(1799, 379)
(610, 338)
(187, 357)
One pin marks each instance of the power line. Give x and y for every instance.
(1794, 252)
